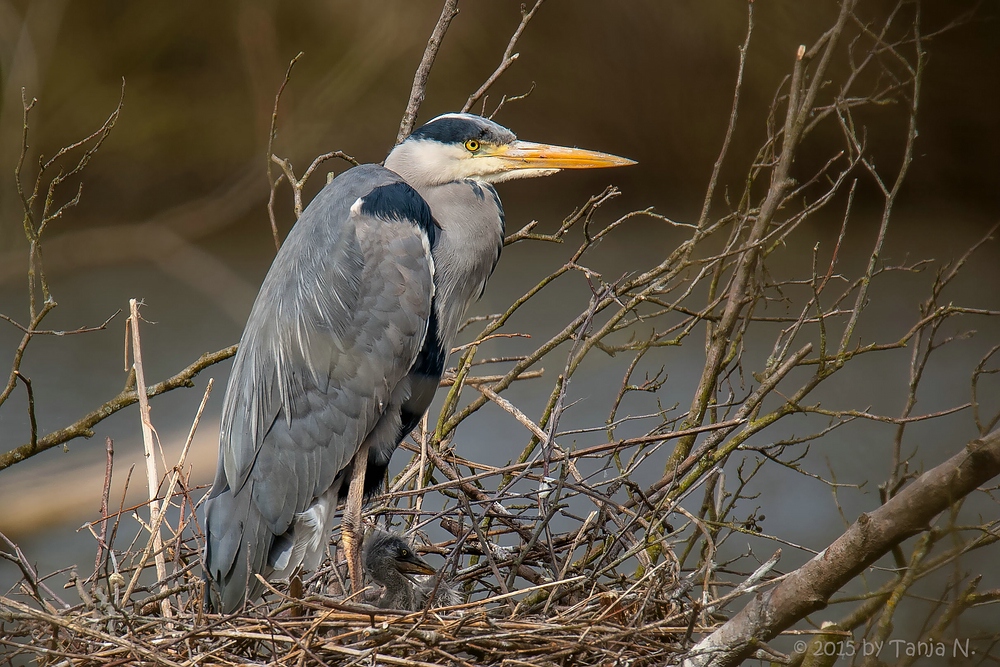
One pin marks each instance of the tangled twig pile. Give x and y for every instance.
(594, 612)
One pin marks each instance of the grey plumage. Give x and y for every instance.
(393, 564)
(440, 591)
(318, 365)
(348, 337)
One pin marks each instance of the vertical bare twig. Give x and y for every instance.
(152, 477)
(31, 408)
(157, 521)
(507, 60)
(272, 183)
(105, 496)
(800, 100)
(419, 88)
(731, 126)
(36, 219)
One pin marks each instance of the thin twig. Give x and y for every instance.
(82, 427)
(419, 87)
(272, 133)
(506, 60)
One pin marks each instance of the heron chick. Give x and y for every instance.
(391, 563)
(347, 340)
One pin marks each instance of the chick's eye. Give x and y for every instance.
(472, 145)
(404, 553)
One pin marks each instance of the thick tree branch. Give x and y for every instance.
(809, 588)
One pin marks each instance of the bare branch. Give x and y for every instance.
(82, 427)
(419, 88)
(506, 61)
(272, 133)
(808, 588)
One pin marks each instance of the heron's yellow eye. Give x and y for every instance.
(472, 145)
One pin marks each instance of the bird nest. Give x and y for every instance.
(319, 630)
(601, 628)
(539, 583)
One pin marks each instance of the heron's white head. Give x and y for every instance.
(458, 146)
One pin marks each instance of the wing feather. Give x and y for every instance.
(336, 327)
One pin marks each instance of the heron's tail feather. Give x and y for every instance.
(237, 544)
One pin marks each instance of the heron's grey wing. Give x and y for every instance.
(337, 325)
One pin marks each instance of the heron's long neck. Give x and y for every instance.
(468, 245)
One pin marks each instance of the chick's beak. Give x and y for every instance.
(413, 564)
(529, 155)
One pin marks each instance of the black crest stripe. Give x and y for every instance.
(457, 129)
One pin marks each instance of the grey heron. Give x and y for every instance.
(346, 342)
(390, 562)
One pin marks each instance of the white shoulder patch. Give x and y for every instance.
(356, 206)
(430, 257)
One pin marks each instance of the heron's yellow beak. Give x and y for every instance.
(529, 155)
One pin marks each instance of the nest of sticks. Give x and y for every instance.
(552, 565)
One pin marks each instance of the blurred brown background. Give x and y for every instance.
(174, 204)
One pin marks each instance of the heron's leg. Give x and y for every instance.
(350, 526)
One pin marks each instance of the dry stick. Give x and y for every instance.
(422, 469)
(19, 352)
(889, 196)
(85, 629)
(513, 410)
(730, 127)
(152, 479)
(101, 541)
(808, 588)
(475, 493)
(506, 61)
(53, 332)
(82, 427)
(33, 230)
(298, 184)
(419, 88)
(487, 548)
(270, 153)
(29, 575)
(479, 380)
(707, 455)
(174, 476)
(26, 381)
(800, 101)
